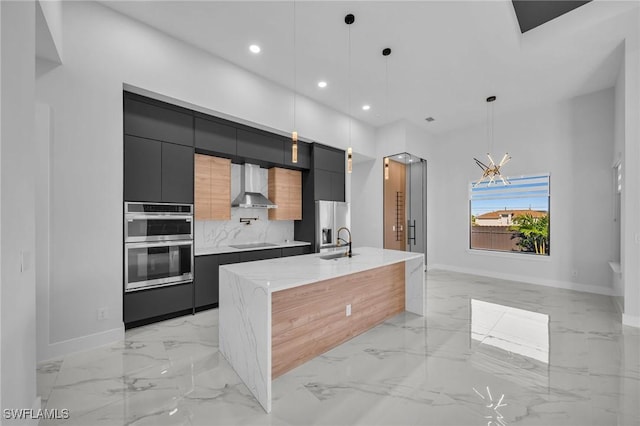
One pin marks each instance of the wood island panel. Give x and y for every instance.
(309, 320)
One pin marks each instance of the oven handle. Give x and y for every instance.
(130, 218)
(160, 244)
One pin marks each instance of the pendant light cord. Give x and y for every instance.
(349, 82)
(386, 88)
(295, 65)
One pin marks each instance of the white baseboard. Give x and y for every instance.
(631, 320)
(35, 406)
(567, 285)
(82, 343)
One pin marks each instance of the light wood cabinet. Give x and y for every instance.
(212, 188)
(285, 189)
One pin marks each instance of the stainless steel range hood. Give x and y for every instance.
(250, 196)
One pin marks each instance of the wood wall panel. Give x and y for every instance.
(212, 188)
(220, 188)
(285, 189)
(202, 187)
(309, 320)
(395, 214)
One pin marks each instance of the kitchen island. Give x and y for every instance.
(277, 314)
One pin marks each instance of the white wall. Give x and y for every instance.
(631, 190)
(17, 223)
(573, 141)
(367, 181)
(618, 158)
(366, 200)
(102, 51)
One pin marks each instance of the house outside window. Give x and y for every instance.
(511, 218)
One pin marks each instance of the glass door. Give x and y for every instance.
(405, 203)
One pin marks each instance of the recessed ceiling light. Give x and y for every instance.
(400, 156)
(322, 84)
(254, 48)
(366, 107)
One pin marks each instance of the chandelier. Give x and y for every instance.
(491, 172)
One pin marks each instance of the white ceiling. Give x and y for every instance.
(448, 56)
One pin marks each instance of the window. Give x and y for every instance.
(511, 218)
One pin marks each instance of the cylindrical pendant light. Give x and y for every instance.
(386, 168)
(349, 19)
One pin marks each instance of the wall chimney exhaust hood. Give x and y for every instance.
(250, 196)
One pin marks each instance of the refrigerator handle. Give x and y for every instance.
(411, 228)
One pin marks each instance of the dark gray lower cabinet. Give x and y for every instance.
(177, 173)
(250, 256)
(207, 278)
(295, 251)
(157, 303)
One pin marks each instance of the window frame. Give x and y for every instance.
(509, 253)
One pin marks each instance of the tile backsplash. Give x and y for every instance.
(216, 233)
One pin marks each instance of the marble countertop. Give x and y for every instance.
(288, 272)
(228, 249)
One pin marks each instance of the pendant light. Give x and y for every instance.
(294, 133)
(492, 171)
(349, 19)
(386, 168)
(386, 52)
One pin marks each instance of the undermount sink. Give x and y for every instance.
(336, 256)
(252, 245)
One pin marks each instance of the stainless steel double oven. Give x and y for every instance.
(158, 244)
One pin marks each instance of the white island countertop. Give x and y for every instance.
(288, 272)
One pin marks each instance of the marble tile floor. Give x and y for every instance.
(489, 352)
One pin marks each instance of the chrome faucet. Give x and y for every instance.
(348, 242)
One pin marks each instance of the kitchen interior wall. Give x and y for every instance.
(17, 209)
(367, 177)
(572, 140)
(618, 158)
(630, 232)
(216, 233)
(102, 51)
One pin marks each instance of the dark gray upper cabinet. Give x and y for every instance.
(337, 186)
(261, 146)
(328, 173)
(215, 137)
(327, 158)
(304, 154)
(151, 121)
(142, 169)
(322, 185)
(177, 173)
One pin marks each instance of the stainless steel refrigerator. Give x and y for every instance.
(331, 216)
